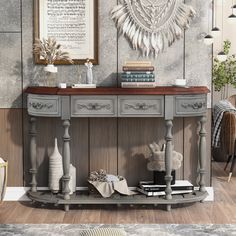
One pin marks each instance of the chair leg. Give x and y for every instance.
(228, 161)
(231, 168)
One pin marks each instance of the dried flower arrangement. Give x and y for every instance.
(50, 51)
(157, 158)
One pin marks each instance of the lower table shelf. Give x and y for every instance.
(83, 197)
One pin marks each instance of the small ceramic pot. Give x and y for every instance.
(50, 68)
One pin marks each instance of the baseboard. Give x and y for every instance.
(19, 193)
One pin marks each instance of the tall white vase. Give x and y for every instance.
(55, 169)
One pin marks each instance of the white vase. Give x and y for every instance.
(72, 182)
(50, 68)
(55, 169)
(50, 76)
(89, 76)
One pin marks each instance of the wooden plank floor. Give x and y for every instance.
(221, 211)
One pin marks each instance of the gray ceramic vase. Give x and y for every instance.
(55, 169)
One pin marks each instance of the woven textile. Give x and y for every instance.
(103, 232)
(218, 111)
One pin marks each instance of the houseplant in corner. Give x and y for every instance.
(224, 72)
(50, 51)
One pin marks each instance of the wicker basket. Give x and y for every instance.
(3, 179)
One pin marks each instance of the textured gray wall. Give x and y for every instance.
(188, 57)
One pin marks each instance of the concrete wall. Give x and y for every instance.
(187, 58)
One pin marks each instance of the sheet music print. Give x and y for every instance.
(68, 22)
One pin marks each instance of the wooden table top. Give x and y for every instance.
(161, 90)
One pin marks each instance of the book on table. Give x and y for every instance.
(138, 68)
(137, 75)
(137, 80)
(180, 185)
(84, 86)
(162, 193)
(138, 63)
(138, 72)
(138, 84)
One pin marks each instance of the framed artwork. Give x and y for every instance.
(74, 25)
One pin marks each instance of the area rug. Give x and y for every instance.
(129, 229)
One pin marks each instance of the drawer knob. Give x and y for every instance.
(195, 106)
(94, 106)
(139, 106)
(40, 105)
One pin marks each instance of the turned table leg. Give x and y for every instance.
(33, 170)
(168, 159)
(66, 161)
(202, 153)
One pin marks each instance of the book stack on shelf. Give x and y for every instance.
(150, 189)
(138, 74)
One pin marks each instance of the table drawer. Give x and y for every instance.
(93, 106)
(141, 106)
(43, 105)
(193, 105)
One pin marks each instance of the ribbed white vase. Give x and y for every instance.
(55, 170)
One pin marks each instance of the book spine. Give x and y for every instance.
(138, 80)
(138, 63)
(177, 188)
(138, 72)
(138, 68)
(138, 75)
(138, 84)
(144, 192)
(162, 193)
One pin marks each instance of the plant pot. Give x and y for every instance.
(159, 177)
(50, 68)
(50, 77)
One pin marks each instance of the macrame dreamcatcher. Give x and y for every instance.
(152, 25)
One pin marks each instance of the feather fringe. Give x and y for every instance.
(152, 42)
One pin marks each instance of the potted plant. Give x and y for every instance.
(50, 51)
(224, 72)
(156, 163)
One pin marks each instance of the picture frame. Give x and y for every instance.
(73, 23)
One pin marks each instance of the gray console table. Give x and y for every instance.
(165, 102)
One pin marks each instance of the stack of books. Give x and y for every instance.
(138, 74)
(150, 189)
